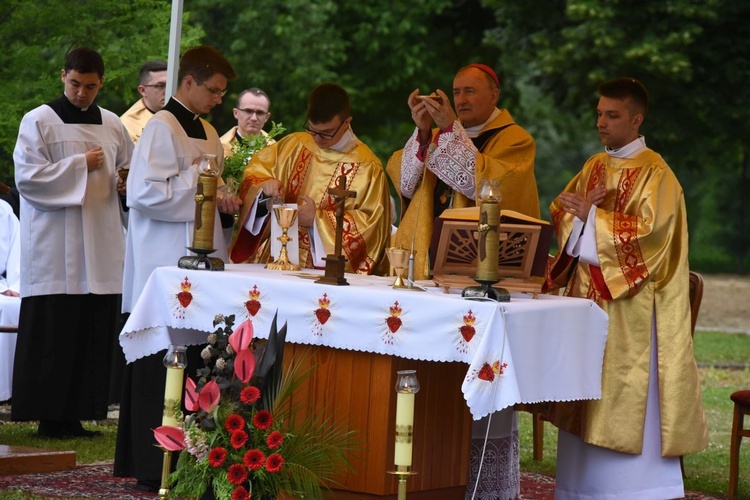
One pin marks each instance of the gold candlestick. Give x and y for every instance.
(175, 361)
(205, 218)
(407, 386)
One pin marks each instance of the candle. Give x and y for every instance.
(172, 395)
(489, 219)
(404, 428)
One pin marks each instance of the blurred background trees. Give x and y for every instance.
(692, 55)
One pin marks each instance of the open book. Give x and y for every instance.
(524, 244)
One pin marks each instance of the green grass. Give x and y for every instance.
(706, 472)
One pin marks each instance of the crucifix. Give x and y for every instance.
(335, 263)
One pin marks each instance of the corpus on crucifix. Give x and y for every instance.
(335, 263)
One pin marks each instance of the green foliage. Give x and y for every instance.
(243, 150)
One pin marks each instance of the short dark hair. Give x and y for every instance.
(626, 87)
(256, 92)
(84, 60)
(326, 101)
(150, 67)
(203, 62)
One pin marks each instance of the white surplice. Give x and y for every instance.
(161, 196)
(71, 214)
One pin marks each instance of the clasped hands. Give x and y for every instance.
(426, 111)
(305, 205)
(580, 205)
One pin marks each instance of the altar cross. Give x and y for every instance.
(340, 195)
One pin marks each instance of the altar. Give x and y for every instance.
(472, 357)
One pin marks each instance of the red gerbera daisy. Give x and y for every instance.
(274, 462)
(240, 493)
(263, 420)
(216, 456)
(250, 395)
(238, 439)
(237, 474)
(274, 439)
(234, 422)
(254, 459)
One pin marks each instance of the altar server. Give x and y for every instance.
(622, 229)
(66, 158)
(161, 195)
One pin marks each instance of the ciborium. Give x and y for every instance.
(285, 215)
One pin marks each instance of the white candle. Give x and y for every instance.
(404, 428)
(172, 395)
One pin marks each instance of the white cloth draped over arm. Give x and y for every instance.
(582, 241)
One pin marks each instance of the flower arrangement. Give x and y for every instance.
(242, 151)
(237, 437)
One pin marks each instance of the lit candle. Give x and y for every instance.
(489, 220)
(407, 386)
(175, 360)
(205, 203)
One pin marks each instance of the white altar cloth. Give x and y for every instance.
(525, 351)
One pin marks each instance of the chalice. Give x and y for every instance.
(399, 259)
(285, 216)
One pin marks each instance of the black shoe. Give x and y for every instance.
(150, 485)
(75, 429)
(52, 429)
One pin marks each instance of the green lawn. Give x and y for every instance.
(707, 471)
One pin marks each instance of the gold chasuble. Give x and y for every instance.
(135, 119)
(642, 246)
(305, 169)
(507, 156)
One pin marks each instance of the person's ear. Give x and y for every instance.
(142, 90)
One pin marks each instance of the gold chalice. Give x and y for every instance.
(285, 216)
(399, 259)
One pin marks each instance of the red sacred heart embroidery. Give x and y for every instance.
(468, 332)
(486, 373)
(393, 323)
(323, 315)
(252, 306)
(185, 298)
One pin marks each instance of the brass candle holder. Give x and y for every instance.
(175, 361)
(488, 245)
(205, 218)
(285, 216)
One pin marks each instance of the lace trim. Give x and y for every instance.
(411, 167)
(501, 474)
(454, 160)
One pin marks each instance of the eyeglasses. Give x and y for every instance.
(213, 90)
(322, 135)
(257, 112)
(160, 86)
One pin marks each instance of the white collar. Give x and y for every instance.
(629, 150)
(474, 131)
(346, 143)
(195, 117)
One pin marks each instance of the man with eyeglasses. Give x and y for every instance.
(152, 84)
(251, 114)
(300, 168)
(161, 195)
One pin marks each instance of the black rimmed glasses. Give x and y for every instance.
(213, 90)
(322, 135)
(257, 112)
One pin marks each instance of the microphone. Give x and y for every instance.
(410, 272)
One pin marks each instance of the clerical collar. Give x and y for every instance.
(629, 150)
(476, 129)
(190, 123)
(346, 143)
(70, 113)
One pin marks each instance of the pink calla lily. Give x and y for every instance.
(241, 337)
(244, 365)
(208, 399)
(170, 438)
(191, 395)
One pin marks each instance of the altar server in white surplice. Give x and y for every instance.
(10, 302)
(66, 158)
(161, 195)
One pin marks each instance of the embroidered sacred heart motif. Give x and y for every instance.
(393, 323)
(323, 315)
(252, 306)
(468, 332)
(185, 298)
(486, 373)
